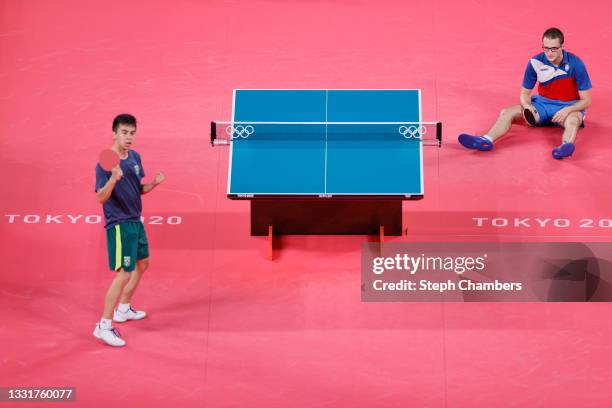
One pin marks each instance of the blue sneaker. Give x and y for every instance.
(565, 150)
(475, 142)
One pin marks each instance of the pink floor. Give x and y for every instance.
(228, 328)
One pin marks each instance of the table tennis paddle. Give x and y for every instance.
(108, 159)
(529, 117)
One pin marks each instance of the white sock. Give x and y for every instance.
(123, 307)
(105, 323)
(488, 138)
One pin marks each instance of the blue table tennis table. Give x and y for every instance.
(325, 161)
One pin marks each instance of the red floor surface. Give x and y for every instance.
(228, 328)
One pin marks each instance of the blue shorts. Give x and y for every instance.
(548, 107)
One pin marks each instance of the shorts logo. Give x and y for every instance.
(137, 169)
(127, 260)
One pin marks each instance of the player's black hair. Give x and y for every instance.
(552, 33)
(123, 119)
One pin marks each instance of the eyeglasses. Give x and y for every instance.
(551, 49)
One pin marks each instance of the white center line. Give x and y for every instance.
(326, 93)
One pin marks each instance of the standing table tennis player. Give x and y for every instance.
(563, 95)
(119, 193)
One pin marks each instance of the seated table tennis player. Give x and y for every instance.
(563, 96)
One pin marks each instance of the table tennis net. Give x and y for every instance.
(243, 131)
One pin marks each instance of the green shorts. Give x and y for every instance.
(126, 243)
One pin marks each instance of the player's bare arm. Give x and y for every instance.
(157, 180)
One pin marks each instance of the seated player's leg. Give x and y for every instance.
(570, 130)
(506, 117)
(571, 125)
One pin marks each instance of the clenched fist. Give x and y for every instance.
(117, 173)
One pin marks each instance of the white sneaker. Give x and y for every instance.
(109, 336)
(131, 314)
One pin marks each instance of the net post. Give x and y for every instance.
(213, 132)
(439, 133)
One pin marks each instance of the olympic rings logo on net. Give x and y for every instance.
(239, 131)
(412, 131)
